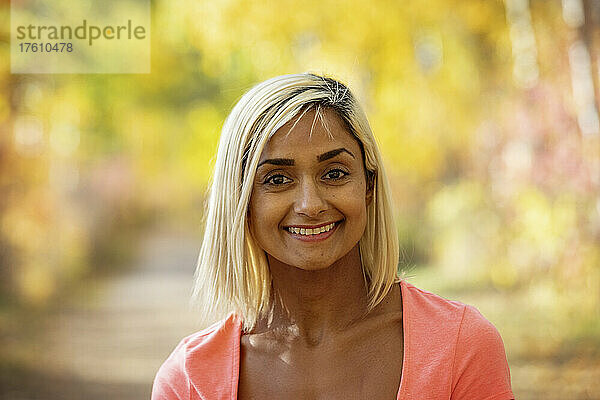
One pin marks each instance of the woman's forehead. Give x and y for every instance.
(310, 132)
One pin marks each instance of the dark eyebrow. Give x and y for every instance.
(277, 161)
(333, 153)
(320, 158)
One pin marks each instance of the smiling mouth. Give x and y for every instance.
(312, 232)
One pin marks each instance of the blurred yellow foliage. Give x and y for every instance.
(495, 187)
(36, 282)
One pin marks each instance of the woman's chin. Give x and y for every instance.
(306, 265)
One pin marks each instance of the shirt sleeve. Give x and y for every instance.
(172, 381)
(480, 370)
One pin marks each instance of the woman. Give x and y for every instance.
(300, 257)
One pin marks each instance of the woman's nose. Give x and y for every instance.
(310, 200)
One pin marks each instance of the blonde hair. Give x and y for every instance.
(232, 274)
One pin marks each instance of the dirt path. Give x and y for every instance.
(110, 345)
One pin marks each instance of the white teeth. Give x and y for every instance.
(311, 231)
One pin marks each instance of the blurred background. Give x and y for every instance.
(487, 116)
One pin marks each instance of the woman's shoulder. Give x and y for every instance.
(430, 307)
(205, 346)
(218, 334)
(434, 309)
(205, 356)
(433, 312)
(446, 335)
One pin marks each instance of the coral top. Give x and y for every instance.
(450, 352)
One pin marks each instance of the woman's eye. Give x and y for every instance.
(335, 174)
(277, 180)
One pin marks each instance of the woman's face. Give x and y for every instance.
(309, 199)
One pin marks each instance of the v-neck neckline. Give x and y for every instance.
(235, 367)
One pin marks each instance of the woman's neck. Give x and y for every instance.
(312, 305)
